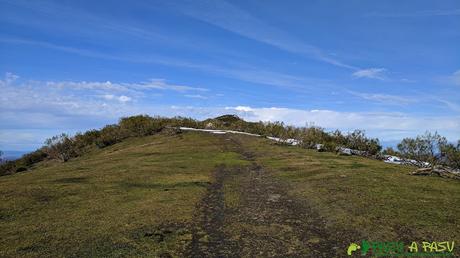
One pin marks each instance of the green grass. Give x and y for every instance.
(104, 203)
(137, 197)
(379, 200)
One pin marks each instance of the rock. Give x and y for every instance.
(320, 147)
(345, 151)
(437, 171)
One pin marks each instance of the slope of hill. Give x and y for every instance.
(196, 194)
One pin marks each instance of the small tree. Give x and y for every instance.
(60, 147)
(1, 157)
(357, 140)
(390, 151)
(451, 155)
(424, 148)
(314, 135)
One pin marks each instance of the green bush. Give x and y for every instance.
(451, 155)
(314, 135)
(7, 168)
(83, 141)
(33, 157)
(330, 146)
(390, 151)
(423, 148)
(21, 169)
(110, 135)
(64, 147)
(357, 140)
(141, 125)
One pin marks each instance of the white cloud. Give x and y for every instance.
(240, 108)
(9, 78)
(385, 125)
(124, 98)
(121, 98)
(195, 96)
(75, 98)
(52, 107)
(372, 73)
(108, 96)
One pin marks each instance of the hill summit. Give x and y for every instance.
(224, 120)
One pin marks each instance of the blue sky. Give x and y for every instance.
(389, 67)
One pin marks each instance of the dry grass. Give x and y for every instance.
(113, 202)
(137, 197)
(379, 200)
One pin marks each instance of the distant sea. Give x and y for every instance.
(12, 155)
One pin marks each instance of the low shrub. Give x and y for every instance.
(60, 147)
(141, 125)
(64, 147)
(451, 155)
(110, 135)
(33, 157)
(7, 168)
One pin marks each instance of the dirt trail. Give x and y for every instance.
(208, 238)
(265, 222)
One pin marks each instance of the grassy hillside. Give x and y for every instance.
(379, 200)
(170, 195)
(112, 201)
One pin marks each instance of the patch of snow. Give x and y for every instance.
(319, 147)
(400, 161)
(293, 142)
(347, 151)
(393, 159)
(215, 131)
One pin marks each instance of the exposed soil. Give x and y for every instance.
(265, 222)
(208, 238)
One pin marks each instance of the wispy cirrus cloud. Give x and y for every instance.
(387, 99)
(161, 84)
(231, 18)
(371, 73)
(239, 71)
(423, 13)
(450, 104)
(454, 78)
(416, 98)
(195, 96)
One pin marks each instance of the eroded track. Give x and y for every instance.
(259, 220)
